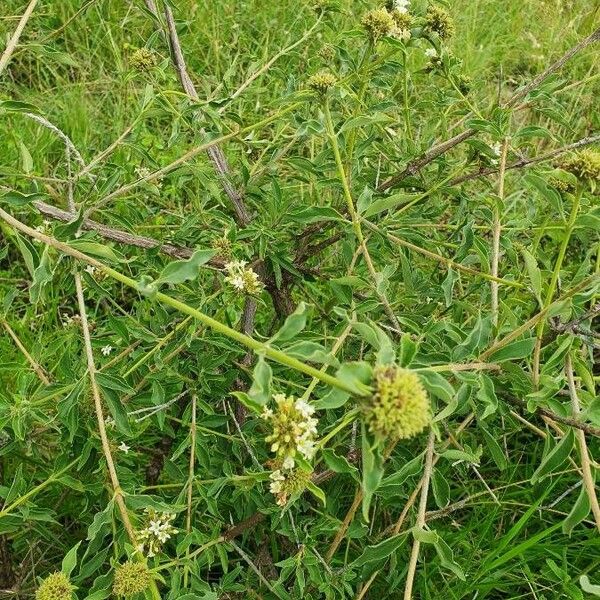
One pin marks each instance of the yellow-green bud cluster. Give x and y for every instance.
(562, 186)
(378, 23)
(437, 20)
(464, 82)
(399, 407)
(55, 587)
(243, 279)
(223, 247)
(584, 164)
(293, 429)
(131, 578)
(286, 483)
(327, 52)
(403, 20)
(321, 82)
(143, 60)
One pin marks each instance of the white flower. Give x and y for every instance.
(106, 350)
(288, 463)
(431, 53)
(90, 269)
(242, 278)
(123, 447)
(276, 478)
(401, 6)
(109, 422)
(497, 148)
(304, 407)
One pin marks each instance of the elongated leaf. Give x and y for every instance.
(185, 270)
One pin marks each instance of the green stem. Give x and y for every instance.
(243, 339)
(354, 215)
(553, 283)
(8, 509)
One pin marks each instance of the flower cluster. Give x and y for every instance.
(564, 187)
(378, 23)
(321, 82)
(294, 429)
(399, 407)
(242, 278)
(437, 20)
(131, 578)
(584, 164)
(143, 60)
(223, 246)
(287, 482)
(158, 530)
(393, 21)
(55, 587)
(145, 173)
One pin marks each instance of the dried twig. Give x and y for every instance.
(420, 523)
(415, 165)
(528, 162)
(588, 478)
(14, 40)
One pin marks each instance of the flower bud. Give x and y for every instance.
(399, 407)
(437, 20)
(131, 578)
(55, 587)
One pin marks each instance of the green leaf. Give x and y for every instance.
(70, 560)
(535, 275)
(448, 285)
(441, 488)
(293, 324)
(446, 557)
(376, 337)
(372, 471)
(356, 375)
(487, 395)
(388, 202)
(514, 350)
(262, 377)
(579, 512)
(96, 249)
(311, 352)
(408, 350)
(477, 339)
(333, 399)
(317, 492)
(16, 106)
(15, 198)
(184, 270)
(379, 552)
(425, 536)
(339, 464)
(555, 458)
(437, 385)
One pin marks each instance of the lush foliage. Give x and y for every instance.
(265, 334)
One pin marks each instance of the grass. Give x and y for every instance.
(376, 278)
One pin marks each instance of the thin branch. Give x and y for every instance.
(420, 524)
(415, 165)
(14, 40)
(497, 227)
(215, 153)
(544, 412)
(120, 236)
(34, 364)
(588, 478)
(527, 162)
(112, 471)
